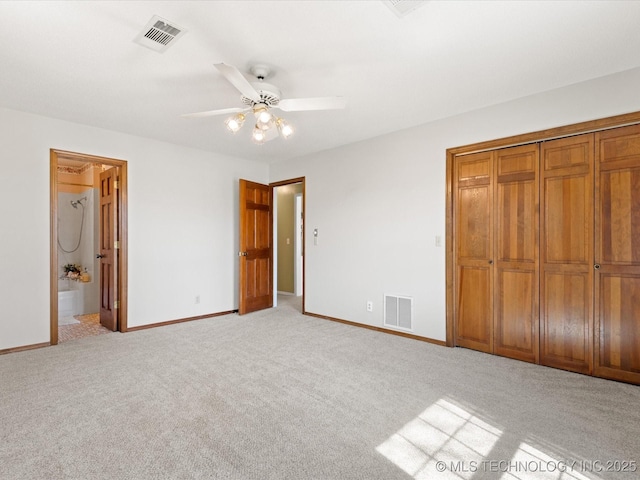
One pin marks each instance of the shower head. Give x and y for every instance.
(75, 203)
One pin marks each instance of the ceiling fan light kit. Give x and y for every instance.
(263, 117)
(284, 128)
(265, 120)
(260, 98)
(235, 122)
(258, 136)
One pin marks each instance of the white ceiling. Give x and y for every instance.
(77, 61)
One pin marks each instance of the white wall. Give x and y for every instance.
(379, 204)
(183, 227)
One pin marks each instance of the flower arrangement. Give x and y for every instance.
(72, 271)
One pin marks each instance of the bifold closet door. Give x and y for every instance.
(516, 289)
(496, 245)
(617, 261)
(566, 253)
(473, 247)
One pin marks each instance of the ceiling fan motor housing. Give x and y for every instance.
(269, 95)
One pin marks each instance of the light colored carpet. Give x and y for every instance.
(277, 395)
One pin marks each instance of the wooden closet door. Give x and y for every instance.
(516, 288)
(473, 251)
(566, 251)
(617, 273)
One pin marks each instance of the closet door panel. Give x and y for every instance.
(620, 216)
(474, 312)
(566, 250)
(567, 219)
(617, 276)
(474, 230)
(516, 311)
(473, 249)
(516, 314)
(565, 329)
(619, 335)
(517, 229)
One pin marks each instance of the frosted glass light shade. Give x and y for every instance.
(284, 127)
(258, 136)
(235, 122)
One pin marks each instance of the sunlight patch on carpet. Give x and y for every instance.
(448, 442)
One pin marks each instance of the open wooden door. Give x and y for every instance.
(256, 247)
(109, 245)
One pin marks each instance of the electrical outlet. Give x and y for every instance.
(369, 306)
(438, 241)
(197, 299)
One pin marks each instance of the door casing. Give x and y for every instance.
(121, 287)
(273, 259)
(283, 183)
(298, 244)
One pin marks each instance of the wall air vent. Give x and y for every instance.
(159, 34)
(398, 312)
(403, 7)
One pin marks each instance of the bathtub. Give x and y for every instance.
(67, 303)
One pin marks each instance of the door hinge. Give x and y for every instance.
(116, 244)
(116, 304)
(116, 184)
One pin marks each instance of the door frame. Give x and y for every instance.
(298, 245)
(274, 258)
(122, 262)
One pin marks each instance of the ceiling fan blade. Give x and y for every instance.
(318, 103)
(233, 75)
(211, 113)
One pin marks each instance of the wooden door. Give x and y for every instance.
(515, 300)
(617, 259)
(256, 240)
(109, 248)
(474, 251)
(566, 251)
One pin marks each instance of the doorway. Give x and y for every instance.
(288, 227)
(88, 213)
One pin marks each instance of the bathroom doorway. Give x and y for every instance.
(88, 245)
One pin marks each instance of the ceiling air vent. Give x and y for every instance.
(159, 34)
(403, 7)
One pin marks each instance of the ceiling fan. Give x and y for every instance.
(260, 98)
